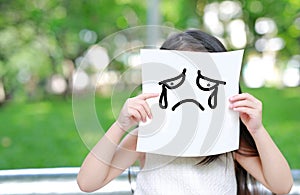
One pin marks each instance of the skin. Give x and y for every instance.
(101, 166)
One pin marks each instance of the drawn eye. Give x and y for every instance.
(207, 84)
(174, 82)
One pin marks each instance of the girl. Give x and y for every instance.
(257, 159)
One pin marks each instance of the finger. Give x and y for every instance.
(243, 103)
(246, 110)
(146, 108)
(242, 96)
(140, 108)
(145, 96)
(138, 104)
(135, 115)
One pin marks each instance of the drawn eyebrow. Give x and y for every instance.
(209, 79)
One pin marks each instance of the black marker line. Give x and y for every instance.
(188, 100)
(181, 76)
(207, 79)
(163, 101)
(212, 100)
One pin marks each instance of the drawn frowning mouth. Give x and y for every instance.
(204, 83)
(188, 100)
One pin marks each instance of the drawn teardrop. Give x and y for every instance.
(163, 101)
(212, 100)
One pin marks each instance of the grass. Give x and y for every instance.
(43, 134)
(281, 118)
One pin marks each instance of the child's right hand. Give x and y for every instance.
(134, 110)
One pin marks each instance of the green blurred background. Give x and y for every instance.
(43, 42)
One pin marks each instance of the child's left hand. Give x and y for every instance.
(250, 110)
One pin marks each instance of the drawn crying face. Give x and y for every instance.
(204, 83)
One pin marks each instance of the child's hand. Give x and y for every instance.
(134, 110)
(250, 110)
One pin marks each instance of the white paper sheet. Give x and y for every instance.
(191, 117)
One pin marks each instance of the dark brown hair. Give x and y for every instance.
(196, 40)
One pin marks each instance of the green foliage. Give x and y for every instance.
(36, 37)
(284, 13)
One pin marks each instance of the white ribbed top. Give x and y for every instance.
(163, 175)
